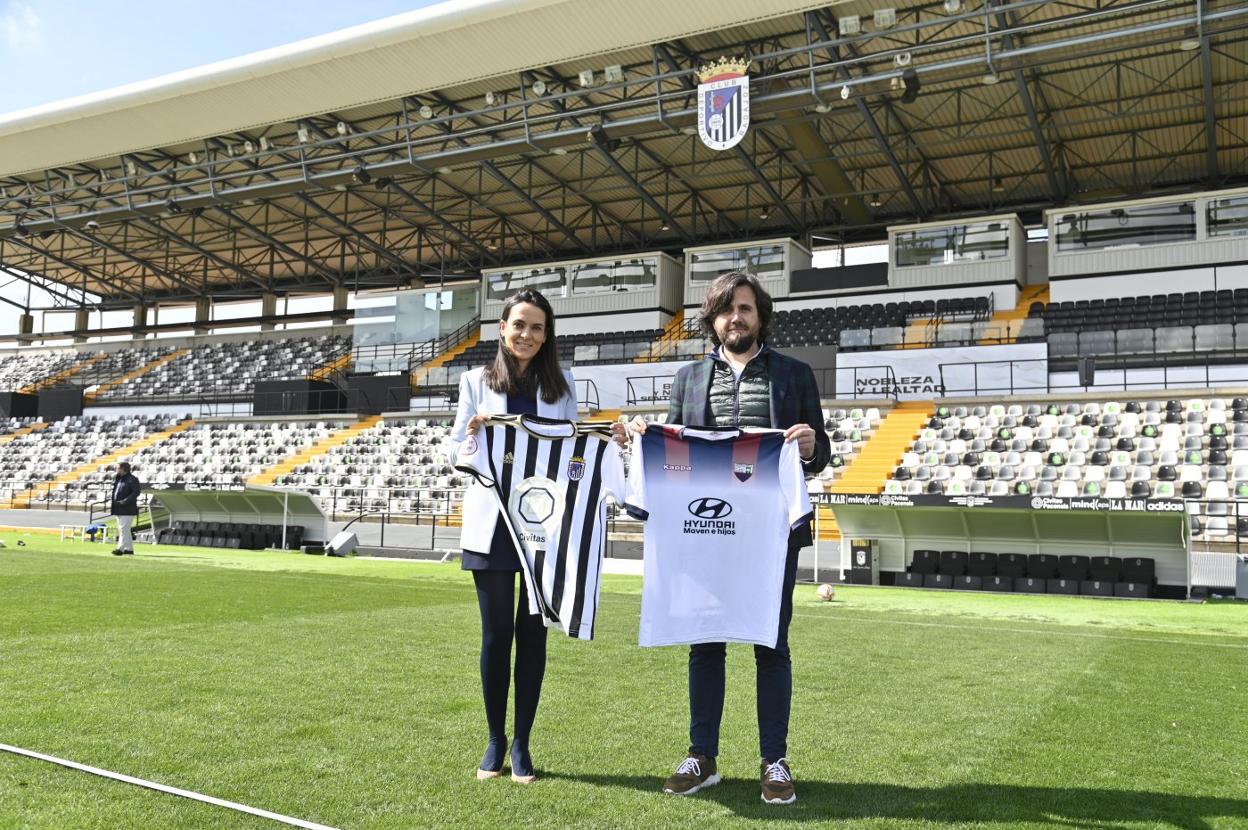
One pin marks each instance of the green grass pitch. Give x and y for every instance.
(346, 692)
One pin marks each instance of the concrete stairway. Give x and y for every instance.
(334, 439)
(22, 500)
(1006, 325)
(873, 465)
(673, 333)
(53, 380)
(422, 374)
(94, 395)
(35, 427)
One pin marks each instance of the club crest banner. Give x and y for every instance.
(723, 103)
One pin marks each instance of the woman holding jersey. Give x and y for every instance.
(524, 378)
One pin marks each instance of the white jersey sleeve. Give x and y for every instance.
(635, 495)
(473, 457)
(793, 485)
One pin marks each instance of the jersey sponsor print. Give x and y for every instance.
(719, 505)
(551, 480)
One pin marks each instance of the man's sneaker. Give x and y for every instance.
(694, 773)
(778, 783)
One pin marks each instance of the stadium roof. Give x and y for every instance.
(461, 137)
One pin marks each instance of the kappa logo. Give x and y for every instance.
(508, 458)
(709, 508)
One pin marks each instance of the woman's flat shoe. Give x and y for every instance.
(486, 774)
(523, 779)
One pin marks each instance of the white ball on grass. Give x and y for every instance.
(827, 592)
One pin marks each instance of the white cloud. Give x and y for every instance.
(20, 27)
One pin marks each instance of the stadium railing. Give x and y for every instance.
(986, 377)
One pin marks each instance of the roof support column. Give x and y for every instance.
(203, 314)
(82, 321)
(268, 308)
(340, 303)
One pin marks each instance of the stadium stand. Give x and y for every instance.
(1195, 449)
(218, 452)
(19, 370)
(229, 368)
(575, 349)
(39, 464)
(400, 465)
(1171, 325)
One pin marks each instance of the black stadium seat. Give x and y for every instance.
(1105, 568)
(953, 562)
(982, 564)
(1042, 566)
(1072, 567)
(1011, 565)
(925, 562)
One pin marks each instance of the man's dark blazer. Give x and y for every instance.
(794, 400)
(126, 498)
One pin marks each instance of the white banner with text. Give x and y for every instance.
(958, 371)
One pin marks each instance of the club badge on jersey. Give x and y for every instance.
(551, 480)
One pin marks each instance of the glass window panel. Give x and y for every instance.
(1228, 217)
(592, 278)
(1127, 227)
(708, 265)
(954, 244)
(549, 281)
(636, 273)
(766, 263)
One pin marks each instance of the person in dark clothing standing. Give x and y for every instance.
(524, 379)
(743, 383)
(125, 506)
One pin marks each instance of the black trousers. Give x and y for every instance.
(773, 678)
(502, 620)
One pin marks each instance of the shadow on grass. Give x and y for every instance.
(954, 804)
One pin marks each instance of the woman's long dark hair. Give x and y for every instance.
(504, 375)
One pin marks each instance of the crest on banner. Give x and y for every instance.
(723, 102)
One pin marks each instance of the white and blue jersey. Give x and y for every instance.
(719, 505)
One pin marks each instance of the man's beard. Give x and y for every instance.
(739, 342)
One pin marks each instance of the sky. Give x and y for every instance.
(56, 49)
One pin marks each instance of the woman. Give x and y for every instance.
(524, 378)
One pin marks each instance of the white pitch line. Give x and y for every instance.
(151, 785)
(1046, 631)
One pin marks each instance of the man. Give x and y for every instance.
(743, 383)
(125, 507)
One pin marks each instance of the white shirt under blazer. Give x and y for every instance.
(475, 397)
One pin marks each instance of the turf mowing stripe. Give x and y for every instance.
(151, 785)
(1046, 631)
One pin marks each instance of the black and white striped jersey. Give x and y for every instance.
(551, 479)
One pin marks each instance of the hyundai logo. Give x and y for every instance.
(710, 508)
